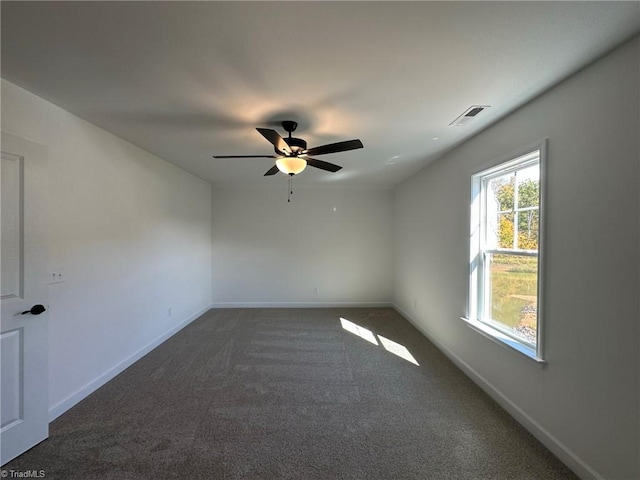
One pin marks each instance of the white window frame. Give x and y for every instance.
(476, 316)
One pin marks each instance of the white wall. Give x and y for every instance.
(584, 404)
(133, 234)
(269, 252)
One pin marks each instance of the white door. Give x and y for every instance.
(24, 371)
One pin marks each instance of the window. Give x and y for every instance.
(504, 291)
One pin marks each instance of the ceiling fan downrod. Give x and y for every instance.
(296, 145)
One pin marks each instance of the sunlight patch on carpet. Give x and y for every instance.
(397, 349)
(389, 345)
(358, 330)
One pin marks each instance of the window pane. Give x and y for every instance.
(512, 293)
(505, 230)
(500, 192)
(529, 186)
(528, 226)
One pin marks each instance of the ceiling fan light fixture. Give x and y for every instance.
(291, 165)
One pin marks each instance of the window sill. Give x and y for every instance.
(504, 340)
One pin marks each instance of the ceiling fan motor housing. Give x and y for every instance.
(296, 144)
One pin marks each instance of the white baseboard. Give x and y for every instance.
(302, 305)
(559, 449)
(58, 409)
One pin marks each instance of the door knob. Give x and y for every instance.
(35, 310)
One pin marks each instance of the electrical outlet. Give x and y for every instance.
(56, 275)
(315, 290)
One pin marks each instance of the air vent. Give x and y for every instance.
(468, 115)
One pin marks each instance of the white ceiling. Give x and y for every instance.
(187, 80)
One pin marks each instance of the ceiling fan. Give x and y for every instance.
(292, 155)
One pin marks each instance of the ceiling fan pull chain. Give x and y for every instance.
(290, 189)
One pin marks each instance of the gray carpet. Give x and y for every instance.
(290, 394)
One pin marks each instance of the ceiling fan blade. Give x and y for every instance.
(272, 171)
(275, 138)
(334, 147)
(244, 156)
(329, 167)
